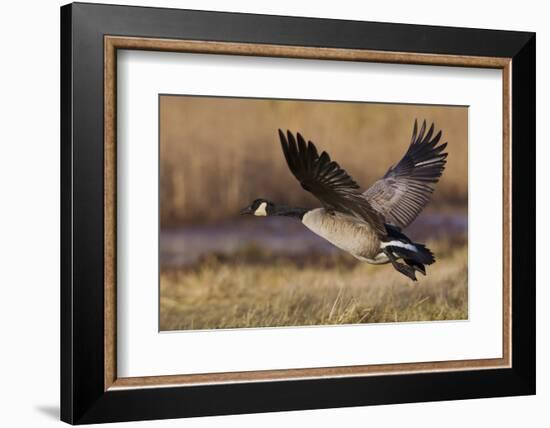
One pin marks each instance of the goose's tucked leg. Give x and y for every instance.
(417, 266)
(408, 271)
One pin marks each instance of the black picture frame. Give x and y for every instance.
(83, 398)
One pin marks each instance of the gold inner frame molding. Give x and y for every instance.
(113, 43)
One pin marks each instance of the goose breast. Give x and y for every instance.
(343, 231)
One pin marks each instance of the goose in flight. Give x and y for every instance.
(367, 225)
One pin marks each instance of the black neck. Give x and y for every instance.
(283, 210)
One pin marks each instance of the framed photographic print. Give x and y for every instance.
(265, 213)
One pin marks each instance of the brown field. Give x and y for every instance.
(225, 152)
(250, 289)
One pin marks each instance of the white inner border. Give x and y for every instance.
(143, 351)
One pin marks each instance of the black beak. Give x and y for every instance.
(247, 210)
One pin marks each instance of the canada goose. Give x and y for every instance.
(367, 225)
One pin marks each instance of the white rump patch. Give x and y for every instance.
(260, 211)
(398, 244)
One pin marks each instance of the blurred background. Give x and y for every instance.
(222, 270)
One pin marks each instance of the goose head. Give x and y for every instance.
(260, 208)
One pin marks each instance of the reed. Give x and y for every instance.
(217, 154)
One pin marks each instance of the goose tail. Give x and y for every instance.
(414, 254)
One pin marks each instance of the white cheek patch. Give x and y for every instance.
(260, 211)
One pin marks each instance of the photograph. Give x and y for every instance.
(287, 213)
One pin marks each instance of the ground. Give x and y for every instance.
(254, 288)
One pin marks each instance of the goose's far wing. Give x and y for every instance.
(406, 188)
(325, 179)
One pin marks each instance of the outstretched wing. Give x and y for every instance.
(325, 179)
(406, 188)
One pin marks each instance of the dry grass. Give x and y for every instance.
(247, 291)
(223, 152)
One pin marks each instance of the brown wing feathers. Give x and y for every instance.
(406, 188)
(397, 198)
(326, 180)
(317, 174)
